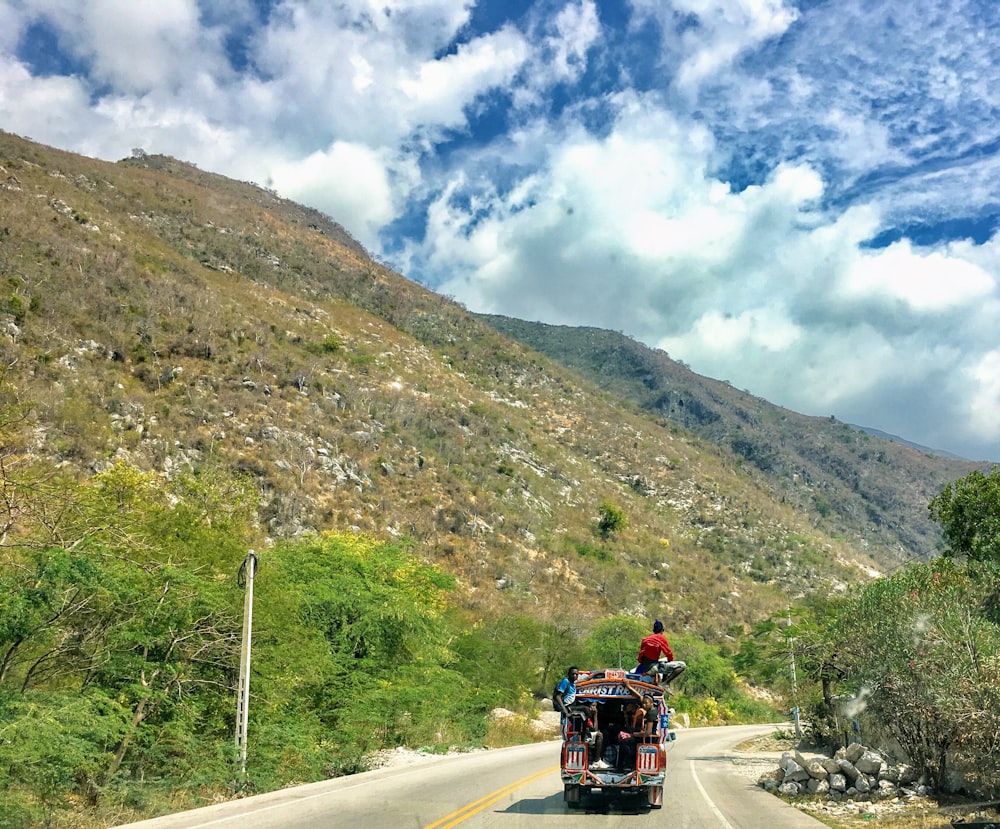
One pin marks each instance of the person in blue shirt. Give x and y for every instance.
(565, 693)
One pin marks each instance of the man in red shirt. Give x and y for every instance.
(649, 656)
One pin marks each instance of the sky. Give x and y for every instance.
(797, 196)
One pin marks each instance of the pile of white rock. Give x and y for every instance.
(853, 773)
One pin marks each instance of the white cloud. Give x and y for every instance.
(926, 282)
(985, 399)
(437, 91)
(768, 329)
(345, 180)
(58, 113)
(371, 72)
(861, 143)
(184, 132)
(135, 46)
(636, 209)
(719, 31)
(577, 27)
(14, 24)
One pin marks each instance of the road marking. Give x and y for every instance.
(711, 805)
(476, 806)
(288, 798)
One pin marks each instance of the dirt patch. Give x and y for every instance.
(776, 744)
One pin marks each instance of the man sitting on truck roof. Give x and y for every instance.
(649, 657)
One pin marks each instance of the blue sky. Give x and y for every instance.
(797, 196)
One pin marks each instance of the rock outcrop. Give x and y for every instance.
(853, 773)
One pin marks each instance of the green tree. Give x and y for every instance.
(805, 636)
(611, 520)
(708, 673)
(969, 513)
(52, 744)
(504, 654)
(172, 638)
(922, 661)
(614, 642)
(125, 602)
(353, 654)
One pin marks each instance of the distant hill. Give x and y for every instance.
(162, 316)
(942, 453)
(869, 487)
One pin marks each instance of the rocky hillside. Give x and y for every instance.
(171, 318)
(872, 490)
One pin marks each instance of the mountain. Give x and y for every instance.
(867, 487)
(169, 318)
(920, 447)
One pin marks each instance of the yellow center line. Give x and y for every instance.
(470, 809)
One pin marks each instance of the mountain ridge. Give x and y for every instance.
(944, 453)
(169, 318)
(842, 473)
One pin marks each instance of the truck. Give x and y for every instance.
(625, 767)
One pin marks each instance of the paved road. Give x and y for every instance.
(512, 788)
(701, 776)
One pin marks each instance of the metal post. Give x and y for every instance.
(246, 575)
(795, 690)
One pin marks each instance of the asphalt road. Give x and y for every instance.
(512, 788)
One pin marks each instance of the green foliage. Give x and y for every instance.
(15, 306)
(614, 641)
(802, 638)
(925, 659)
(711, 692)
(503, 655)
(914, 658)
(708, 673)
(362, 360)
(330, 344)
(52, 744)
(124, 635)
(353, 644)
(969, 512)
(611, 520)
(592, 552)
(132, 661)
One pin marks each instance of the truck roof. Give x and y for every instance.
(615, 684)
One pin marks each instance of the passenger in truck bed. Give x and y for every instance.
(592, 734)
(641, 727)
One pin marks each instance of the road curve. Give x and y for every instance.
(511, 788)
(701, 775)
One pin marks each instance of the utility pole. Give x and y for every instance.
(248, 569)
(795, 690)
